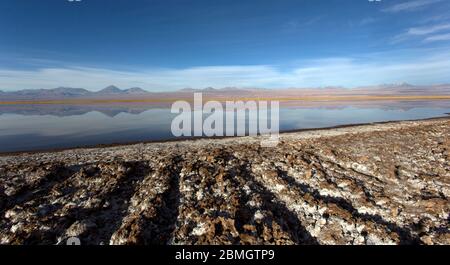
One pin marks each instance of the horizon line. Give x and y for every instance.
(187, 88)
(281, 99)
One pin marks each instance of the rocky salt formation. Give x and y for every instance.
(372, 184)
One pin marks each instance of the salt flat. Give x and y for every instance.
(383, 183)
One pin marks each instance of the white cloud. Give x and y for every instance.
(410, 5)
(439, 37)
(294, 25)
(420, 31)
(428, 29)
(436, 18)
(424, 68)
(367, 21)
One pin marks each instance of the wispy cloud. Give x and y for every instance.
(410, 6)
(439, 37)
(420, 32)
(428, 29)
(436, 18)
(367, 21)
(425, 68)
(294, 25)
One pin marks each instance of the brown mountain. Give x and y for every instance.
(68, 93)
(113, 92)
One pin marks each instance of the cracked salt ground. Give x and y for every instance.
(372, 184)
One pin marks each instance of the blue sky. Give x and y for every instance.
(169, 45)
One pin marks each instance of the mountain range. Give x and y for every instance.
(113, 92)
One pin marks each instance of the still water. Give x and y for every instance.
(34, 129)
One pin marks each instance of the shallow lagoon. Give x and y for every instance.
(35, 130)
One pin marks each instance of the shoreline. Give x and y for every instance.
(193, 139)
(383, 183)
(89, 101)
